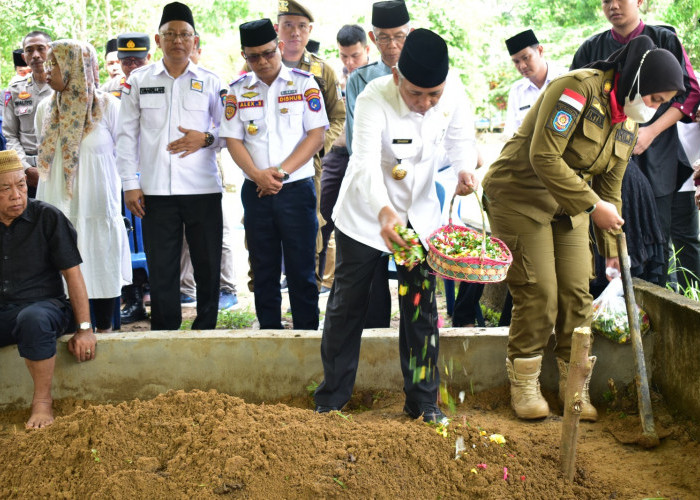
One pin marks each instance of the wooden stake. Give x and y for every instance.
(579, 368)
(649, 437)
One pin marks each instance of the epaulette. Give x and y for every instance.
(302, 72)
(238, 79)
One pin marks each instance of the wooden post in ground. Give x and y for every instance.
(649, 437)
(579, 368)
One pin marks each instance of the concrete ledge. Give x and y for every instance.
(676, 364)
(263, 366)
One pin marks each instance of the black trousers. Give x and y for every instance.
(335, 163)
(162, 229)
(345, 316)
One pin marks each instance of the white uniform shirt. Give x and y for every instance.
(386, 131)
(272, 120)
(523, 95)
(154, 104)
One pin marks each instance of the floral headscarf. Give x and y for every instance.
(73, 112)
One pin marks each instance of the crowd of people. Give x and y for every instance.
(332, 166)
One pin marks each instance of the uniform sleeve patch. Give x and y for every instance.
(230, 106)
(126, 88)
(573, 99)
(312, 92)
(314, 103)
(561, 119)
(222, 96)
(8, 97)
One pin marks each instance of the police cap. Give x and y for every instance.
(133, 45)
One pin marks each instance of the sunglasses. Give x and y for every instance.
(253, 58)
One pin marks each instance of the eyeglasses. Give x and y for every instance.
(133, 61)
(254, 58)
(170, 36)
(386, 39)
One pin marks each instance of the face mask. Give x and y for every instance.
(635, 109)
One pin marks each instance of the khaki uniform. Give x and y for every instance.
(565, 157)
(18, 118)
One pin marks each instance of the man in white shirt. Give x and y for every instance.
(402, 121)
(528, 58)
(169, 172)
(274, 123)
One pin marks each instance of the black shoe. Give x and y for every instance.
(326, 409)
(133, 309)
(430, 412)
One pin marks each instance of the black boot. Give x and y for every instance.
(133, 305)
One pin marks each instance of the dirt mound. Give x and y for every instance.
(208, 445)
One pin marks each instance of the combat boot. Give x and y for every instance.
(588, 411)
(133, 309)
(525, 396)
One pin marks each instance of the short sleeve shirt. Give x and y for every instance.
(272, 120)
(34, 249)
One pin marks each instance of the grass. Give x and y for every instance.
(232, 319)
(683, 275)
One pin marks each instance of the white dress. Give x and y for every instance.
(95, 208)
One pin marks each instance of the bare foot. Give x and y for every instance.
(42, 414)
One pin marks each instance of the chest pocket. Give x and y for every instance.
(293, 115)
(24, 108)
(587, 145)
(153, 112)
(196, 108)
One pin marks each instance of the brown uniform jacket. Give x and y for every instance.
(566, 155)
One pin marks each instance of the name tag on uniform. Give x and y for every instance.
(402, 141)
(288, 92)
(290, 98)
(152, 90)
(624, 136)
(250, 104)
(524, 108)
(595, 113)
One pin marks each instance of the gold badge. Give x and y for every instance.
(290, 83)
(315, 69)
(250, 95)
(284, 111)
(283, 6)
(130, 44)
(607, 86)
(252, 128)
(629, 124)
(398, 172)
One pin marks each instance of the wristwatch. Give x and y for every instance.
(85, 325)
(208, 139)
(283, 172)
(590, 209)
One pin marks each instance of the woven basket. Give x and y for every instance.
(470, 269)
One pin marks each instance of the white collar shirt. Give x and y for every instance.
(154, 105)
(272, 120)
(523, 95)
(386, 132)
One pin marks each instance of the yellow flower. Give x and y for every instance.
(497, 438)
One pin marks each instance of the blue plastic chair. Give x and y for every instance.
(138, 253)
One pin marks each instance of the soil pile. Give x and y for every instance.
(210, 445)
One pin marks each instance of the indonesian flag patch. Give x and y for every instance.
(573, 99)
(566, 111)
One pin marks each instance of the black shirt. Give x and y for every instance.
(664, 163)
(33, 250)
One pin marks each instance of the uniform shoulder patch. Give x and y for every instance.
(238, 79)
(301, 72)
(566, 112)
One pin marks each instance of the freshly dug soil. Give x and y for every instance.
(211, 445)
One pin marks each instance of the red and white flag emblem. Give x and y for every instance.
(573, 99)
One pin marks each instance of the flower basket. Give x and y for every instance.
(488, 260)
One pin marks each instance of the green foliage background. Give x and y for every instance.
(474, 29)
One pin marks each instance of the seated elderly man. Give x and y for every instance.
(38, 244)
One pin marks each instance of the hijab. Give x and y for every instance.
(73, 112)
(659, 72)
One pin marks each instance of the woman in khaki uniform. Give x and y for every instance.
(566, 161)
